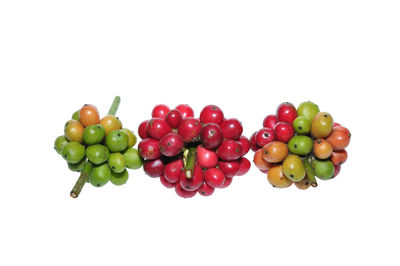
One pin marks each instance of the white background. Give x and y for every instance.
(246, 57)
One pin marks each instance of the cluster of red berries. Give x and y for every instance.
(193, 155)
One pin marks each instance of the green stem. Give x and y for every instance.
(81, 180)
(310, 173)
(189, 162)
(114, 106)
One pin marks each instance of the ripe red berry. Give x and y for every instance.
(205, 189)
(231, 129)
(227, 182)
(211, 135)
(157, 128)
(153, 168)
(174, 118)
(171, 144)
(270, 121)
(173, 170)
(183, 193)
(148, 149)
(253, 143)
(206, 158)
(185, 110)
(230, 169)
(229, 150)
(245, 144)
(286, 112)
(165, 182)
(143, 129)
(189, 129)
(192, 184)
(160, 111)
(337, 170)
(244, 166)
(264, 136)
(211, 114)
(283, 132)
(214, 177)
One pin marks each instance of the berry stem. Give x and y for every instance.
(189, 162)
(310, 173)
(81, 180)
(114, 106)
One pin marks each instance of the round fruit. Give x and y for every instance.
(205, 189)
(308, 110)
(302, 125)
(214, 177)
(117, 140)
(157, 128)
(206, 158)
(270, 121)
(211, 114)
(189, 129)
(171, 144)
(231, 129)
(116, 162)
(245, 142)
(186, 110)
(260, 162)
(339, 157)
(100, 175)
(110, 123)
(77, 167)
(230, 169)
(192, 184)
(73, 131)
(173, 170)
(293, 168)
(119, 179)
(174, 118)
(160, 111)
(211, 135)
(73, 152)
(322, 149)
(131, 137)
(142, 130)
(93, 134)
(89, 115)
(229, 150)
(303, 184)
(337, 170)
(277, 178)
(324, 169)
(97, 153)
(286, 112)
(227, 182)
(244, 166)
(321, 126)
(340, 138)
(183, 193)
(283, 132)
(153, 168)
(165, 182)
(149, 149)
(75, 115)
(253, 142)
(132, 158)
(300, 145)
(264, 136)
(60, 143)
(275, 152)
